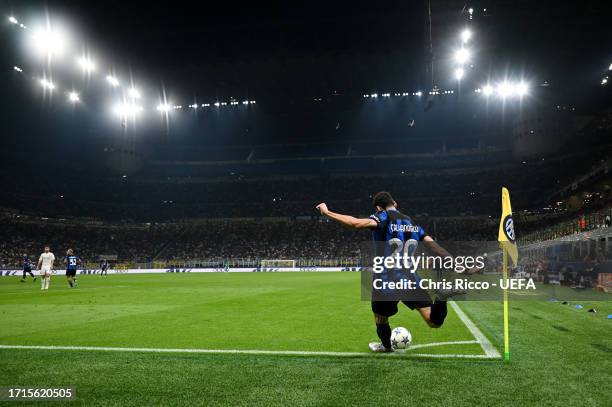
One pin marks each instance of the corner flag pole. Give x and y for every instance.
(506, 334)
(507, 242)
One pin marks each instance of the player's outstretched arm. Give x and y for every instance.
(347, 220)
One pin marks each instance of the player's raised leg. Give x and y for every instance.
(434, 315)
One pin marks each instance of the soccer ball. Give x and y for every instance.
(400, 338)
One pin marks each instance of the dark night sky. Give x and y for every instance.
(285, 53)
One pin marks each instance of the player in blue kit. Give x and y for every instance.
(391, 228)
(72, 262)
(104, 267)
(27, 268)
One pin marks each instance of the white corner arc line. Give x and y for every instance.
(488, 348)
(261, 352)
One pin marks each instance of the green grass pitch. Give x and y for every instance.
(560, 355)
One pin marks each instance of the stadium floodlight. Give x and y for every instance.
(124, 110)
(47, 84)
(73, 97)
(112, 80)
(487, 90)
(164, 107)
(466, 35)
(13, 20)
(134, 93)
(18, 69)
(462, 55)
(49, 42)
(459, 73)
(521, 89)
(86, 64)
(504, 89)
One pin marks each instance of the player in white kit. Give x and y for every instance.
(45, 265)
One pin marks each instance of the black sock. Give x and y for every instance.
(438, 312)
(384, 333)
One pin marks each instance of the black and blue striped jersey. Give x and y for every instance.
(395, 234)
(72, 262)
(392, 224)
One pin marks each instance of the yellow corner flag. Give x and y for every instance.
(506, 236)
(507, 242)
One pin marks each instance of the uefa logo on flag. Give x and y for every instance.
(509, 228)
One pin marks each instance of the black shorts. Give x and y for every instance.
(70, 273)
(389, 308)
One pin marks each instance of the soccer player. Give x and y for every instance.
(384, 225)
(104, 267)
(45, 265)
(71, 261)
(27, 268)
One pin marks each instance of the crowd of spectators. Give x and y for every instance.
(21, 236)
(457, 192)
(270, 217)
(244, 238)
(249, 239)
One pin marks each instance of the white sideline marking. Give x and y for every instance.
(263, 352)
(486, 345)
